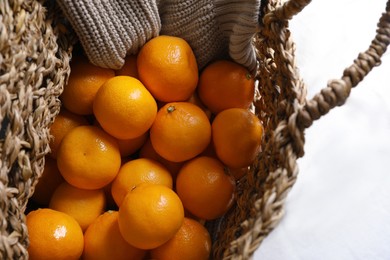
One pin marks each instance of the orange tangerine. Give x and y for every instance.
(88, 157)
(168, 68)
(129, 68)
(147, 151)
(150, 215)
(136, 172)
(237, 135)
(194, 99)
(103, 241)
(180, 132)
(124, 108)
(83, 84)
(63, 123)
(204, 188)
(84, 205)
(191, 242)
(238, 173)
(128, 147)
(53, 235)
(225, 84)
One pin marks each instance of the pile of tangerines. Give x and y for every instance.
(141, 157)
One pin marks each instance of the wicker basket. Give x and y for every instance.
(35, 49)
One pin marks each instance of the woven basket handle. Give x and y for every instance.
(290, 8)
(338, 90)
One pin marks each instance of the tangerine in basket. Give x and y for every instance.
(238, 173)
(103, 240)
(204, 188)
(124, 108)
(225, 84)
(147, 151)
(136, 172)
(168, 68)
(237, 135)
(194, 99)
(88, 157)
(128, 147)
(53, 235)
(84, 205)
(63, 123)
(129, 68)
(51, 178)
(150, 215)
(191, 242)
(84, 81)
(180, 132)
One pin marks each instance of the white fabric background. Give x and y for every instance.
(339, 208)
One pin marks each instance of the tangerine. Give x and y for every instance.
(191, 242)
(194, 99)
(83, 84)
(128, 147)
(147, 151)
(88, 157)
(53, 235)
(63, 123)
(225, 84)
(103, 240)
(168, 68)
(124, 108)
(84, 205)
(129, 68)
(237, 135)
(180, 131)
(238, 173)
(214, 192)
(150, 215)
(136, 172)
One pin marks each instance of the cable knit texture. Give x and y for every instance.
(238, 20)
(111, 29)
(194, 21)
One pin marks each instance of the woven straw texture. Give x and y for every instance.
(34, 64)
(35, 49)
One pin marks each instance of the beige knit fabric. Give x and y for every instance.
(111, 29)
(194, 20)
(238, 20)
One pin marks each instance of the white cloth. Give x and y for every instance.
(339, 208)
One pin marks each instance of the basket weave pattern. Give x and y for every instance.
(35, 50)
(286, 113)
(33, 69)
(281, 93)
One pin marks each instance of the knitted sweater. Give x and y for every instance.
(111, 29)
